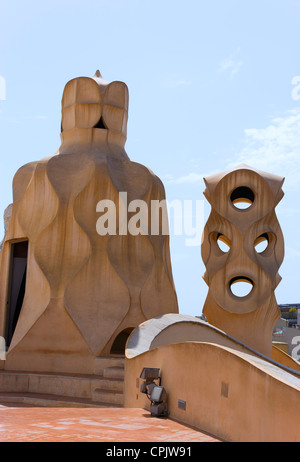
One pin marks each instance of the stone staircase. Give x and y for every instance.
(39, 389)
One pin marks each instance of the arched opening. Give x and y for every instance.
(242, 197)
(118, 347)
(261, 243)
(223, 242)
(241, 286)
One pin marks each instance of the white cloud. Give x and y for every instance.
(174, 82)
(190, 178)
(168, 177)
(39, 117)
(20, 118)
(232, 64)
(275, 149)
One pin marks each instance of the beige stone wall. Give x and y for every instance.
(281, 356)
(228, 393)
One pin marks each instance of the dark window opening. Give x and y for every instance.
(118, 347)
(17, 286)
(101, 124)
(242, 197)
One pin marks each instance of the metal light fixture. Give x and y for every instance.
(155, 393)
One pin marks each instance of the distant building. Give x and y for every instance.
(288, 306)
(290, 316)
(286, 329)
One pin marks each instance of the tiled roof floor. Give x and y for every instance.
(37, 424)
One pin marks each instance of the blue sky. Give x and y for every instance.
(210, 87)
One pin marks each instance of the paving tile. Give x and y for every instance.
(24, 424)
